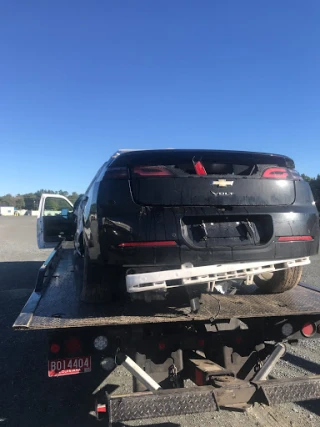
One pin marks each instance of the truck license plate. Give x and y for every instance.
(69, 366)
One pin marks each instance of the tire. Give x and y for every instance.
(279, 281)
(95, 289)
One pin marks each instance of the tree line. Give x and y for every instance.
(30, 201)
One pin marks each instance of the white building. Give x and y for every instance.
(6, 210)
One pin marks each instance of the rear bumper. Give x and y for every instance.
(189, 275)
(194, 400)
(167, 257)
(165, 224)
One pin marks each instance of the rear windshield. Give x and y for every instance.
(212, 162)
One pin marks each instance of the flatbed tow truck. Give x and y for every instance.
(227, 349)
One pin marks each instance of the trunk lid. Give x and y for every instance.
(177, 191)
(209, 178)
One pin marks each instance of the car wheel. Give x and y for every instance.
(95, 289)
(278, 281)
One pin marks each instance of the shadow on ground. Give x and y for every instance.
(27, 397)
(312, 367)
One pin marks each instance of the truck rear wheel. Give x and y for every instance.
(279, 281)
(95, 287)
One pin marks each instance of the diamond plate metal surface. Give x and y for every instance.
(160, 404)
(293, 390)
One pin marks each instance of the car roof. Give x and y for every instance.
(205, 150)
(129, 150)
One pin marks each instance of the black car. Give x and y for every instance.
(155, 219)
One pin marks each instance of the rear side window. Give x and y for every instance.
(97, 176)
(186, 163)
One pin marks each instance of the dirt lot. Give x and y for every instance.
(29, 398)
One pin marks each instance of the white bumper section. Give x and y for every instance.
(209, 274)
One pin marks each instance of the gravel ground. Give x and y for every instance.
(29, 398)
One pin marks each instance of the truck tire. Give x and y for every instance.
(278, 281)
(95, 289)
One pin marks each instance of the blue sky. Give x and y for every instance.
(79, 79)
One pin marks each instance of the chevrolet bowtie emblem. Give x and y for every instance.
(223, 183)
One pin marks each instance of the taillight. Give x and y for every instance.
(116, 173)
(308, 329)
(199, 168)
(73, 345)
(295, 239)
(151, 171)
(55, 348)
(147, 244)
(162, 345)
(276, 173)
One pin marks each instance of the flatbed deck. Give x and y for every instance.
(55, 303)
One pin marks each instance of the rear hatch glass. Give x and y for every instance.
(207, 178)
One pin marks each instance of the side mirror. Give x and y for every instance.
(65, 212)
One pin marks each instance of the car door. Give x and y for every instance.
(55, 220)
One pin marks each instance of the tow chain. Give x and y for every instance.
(258, 365)
(173, 375)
